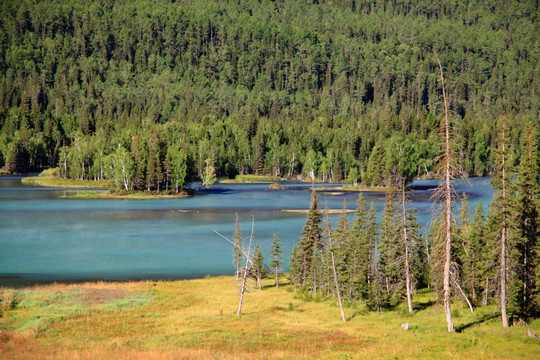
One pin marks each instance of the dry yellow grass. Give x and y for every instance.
(196, 319)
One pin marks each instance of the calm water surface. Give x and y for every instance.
(46, 238)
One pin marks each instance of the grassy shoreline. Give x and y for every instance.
(51, 181)
(196, 319)
(324, 211)
(108, 195)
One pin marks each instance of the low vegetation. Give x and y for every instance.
(197, 319)
(250, 178)
(132, 195)
(53, 181)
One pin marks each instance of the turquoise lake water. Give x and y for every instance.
(45, 238)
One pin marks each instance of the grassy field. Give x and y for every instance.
(196, 319)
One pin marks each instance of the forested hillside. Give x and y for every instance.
(145, 92)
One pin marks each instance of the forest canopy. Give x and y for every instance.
(291, 87)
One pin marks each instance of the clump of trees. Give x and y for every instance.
(490, 258)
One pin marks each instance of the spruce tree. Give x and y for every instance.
(310, 244)
(154, 175)
(344, 252)
(474, 264)
(528, 223)
(258, 265)
(389, 255)
(501, 217)
(276, 255)
(363, 235)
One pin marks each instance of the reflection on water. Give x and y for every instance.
(44, 237)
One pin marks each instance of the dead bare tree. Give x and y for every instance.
(336, 283)
(248, 263)
(446, 190)
(406, 244)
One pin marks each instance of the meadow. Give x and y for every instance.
(196, 319)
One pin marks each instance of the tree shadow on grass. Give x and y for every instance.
(419, 306)
(480, 320)
(282, 284)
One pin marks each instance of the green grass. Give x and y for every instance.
(254, 179)
(44, 179)
(196, 319)
(133, 195)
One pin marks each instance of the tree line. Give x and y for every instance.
(287, 88)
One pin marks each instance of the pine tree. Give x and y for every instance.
(501, 217)
(310, 245)
(474, 265)
(344, 252)
(277, 258)
(389, 263)
(138, 153)
(363, 235)
(154, 175)
(528, 223)
(258, 265)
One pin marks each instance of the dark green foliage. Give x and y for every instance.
(388, 280)
(276, 256)
(304, 259)
(256, 86)
(527, 210)
(364, 235)
(257, 269)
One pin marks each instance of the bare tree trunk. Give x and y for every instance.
(486, 292)
(336, 283)
(448, 213)
(464, 296)
(405, 242)
(503, 278)
(246, 268)
(277, 280)
(337, 287)
(504, 234)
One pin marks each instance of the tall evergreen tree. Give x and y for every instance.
(501, 216)
(154, 174)
(305, 256)
(363, 235)
(258, 265)
(389, 264)
(474, 259)
(528, 222)
(276, 254)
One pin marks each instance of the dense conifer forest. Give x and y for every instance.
(154, 93)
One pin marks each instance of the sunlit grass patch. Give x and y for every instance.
(52, 181)
(35, 309)
(197, 319)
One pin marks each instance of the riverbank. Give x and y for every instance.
(196, 319)
(110, 195)
(250, 179)
(323, 211)
(52, 181)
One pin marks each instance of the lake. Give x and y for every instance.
(46, 238)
